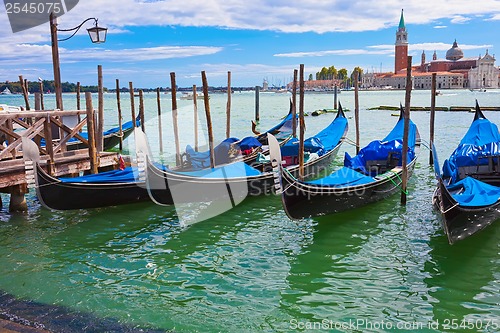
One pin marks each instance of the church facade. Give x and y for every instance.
(453, 72)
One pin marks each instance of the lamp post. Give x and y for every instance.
(97, 35)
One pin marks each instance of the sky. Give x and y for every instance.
(254, 40)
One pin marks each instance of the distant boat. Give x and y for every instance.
(9, 108)
(6, 91)
(190, 96)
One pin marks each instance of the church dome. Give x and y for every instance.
(455, 53)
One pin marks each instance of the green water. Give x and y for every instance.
(380, 268)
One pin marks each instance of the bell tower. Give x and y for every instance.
(401, 46)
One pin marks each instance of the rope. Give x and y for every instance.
(446, 211)
(392, 181)
(349, 141)
(426, 144)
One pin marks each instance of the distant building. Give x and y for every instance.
(454, 72)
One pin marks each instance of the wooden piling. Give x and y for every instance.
(25, 91)
(356, 109)
(195, 108)
(228, 106)
(78, 106)
(174, 119)
(141, 110)
(209, 119)
(294, 103)
(433, 115)
(91, 133)
(18, 199)
(42, 106)
(78, 97)
(132, 103)
(301, 122)
(100, 116)
(404, 176)
(38, 101)
(47, 133)
(119, 107)
(257, 103)
(158, 103)
(335, 91)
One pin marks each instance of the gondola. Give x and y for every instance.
(111, 137)
(468, 191)
(232, 149)
(235, 181)
(104, 189)
(372, 175)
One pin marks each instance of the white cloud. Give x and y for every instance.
(459, 19)
(279, 15)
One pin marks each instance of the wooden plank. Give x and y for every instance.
(39, 114)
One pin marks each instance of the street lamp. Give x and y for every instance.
(97, 35)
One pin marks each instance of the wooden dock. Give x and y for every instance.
(56, 157)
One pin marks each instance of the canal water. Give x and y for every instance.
(382, 267)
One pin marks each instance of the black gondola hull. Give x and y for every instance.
(58, 195)
(166, 187)
(461, 222)
(302, 200)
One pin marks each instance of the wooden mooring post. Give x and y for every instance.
(335, 91)
(257, 103)
(433, 115)
(228, 106)
(91, 133)
(404, 158)
(160, 131)
(119, 107)
(209, 119)
(356, 110)
(301, 122)
(294, 103)
(174, 119)
(100, 117)
(132, 103)
(195, 114)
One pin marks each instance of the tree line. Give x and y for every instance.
(331, 73)
(48, 87)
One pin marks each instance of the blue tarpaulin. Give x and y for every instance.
(344, 177)
(481, 140)
(127, 175)
(474, 193)
(232, 170)
(201, 160)
(380, 150)
(320, 143)
(376, 151)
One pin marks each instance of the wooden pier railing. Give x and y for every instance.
(52, 131)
